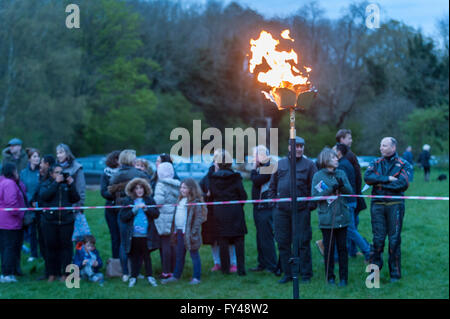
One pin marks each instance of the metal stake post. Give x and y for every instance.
(295, 262)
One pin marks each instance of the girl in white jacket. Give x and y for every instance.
(167, 190)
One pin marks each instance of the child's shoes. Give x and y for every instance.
(194, 281)
(132, 282)
(152, 281)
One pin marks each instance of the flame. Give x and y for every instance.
(282, 72)
(285, 35)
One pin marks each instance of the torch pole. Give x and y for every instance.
(295, 240)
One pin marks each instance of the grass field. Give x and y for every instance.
(425, 263)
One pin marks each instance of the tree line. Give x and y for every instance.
(137, 69)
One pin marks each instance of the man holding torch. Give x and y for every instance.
(280, 188)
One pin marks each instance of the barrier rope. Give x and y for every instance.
(253, 201)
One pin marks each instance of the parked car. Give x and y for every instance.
(93, 167)
(364, 161)
(191, 170)
(205, 159)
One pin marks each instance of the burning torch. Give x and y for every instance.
(290, 89)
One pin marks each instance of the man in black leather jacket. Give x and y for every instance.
(279, 187)
(388, 175)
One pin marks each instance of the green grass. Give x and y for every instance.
(425, 263)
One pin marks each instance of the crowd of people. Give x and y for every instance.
(63, 237)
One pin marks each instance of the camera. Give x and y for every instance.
(66, 176)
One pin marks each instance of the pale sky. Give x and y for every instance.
(417, 13)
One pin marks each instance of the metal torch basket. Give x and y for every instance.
(289, 99)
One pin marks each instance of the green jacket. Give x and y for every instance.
(21, 163)
(322, 185)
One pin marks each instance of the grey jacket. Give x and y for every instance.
(332, 213)
(76, 171)
(280, 186)
(167, 191)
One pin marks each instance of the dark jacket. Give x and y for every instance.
(127, 215)
(226, 185)
(347, 167)
(21, 162)
(332, 214)
(409, 157)
(280, 183)
(36, 198)
(209, 228)
(53, 194)
(120, 179)
(378, 172)
(260, 181)
(81, 254)
(424, 159)
(361, 203)
(193, 230)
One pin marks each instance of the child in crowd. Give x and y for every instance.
(143, 165)
(186, 229)
(141, 234)
(167, 191)
(87, 258)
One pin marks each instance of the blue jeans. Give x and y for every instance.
(353, 235)
(30, 235)
(181, 255)
(354, 238)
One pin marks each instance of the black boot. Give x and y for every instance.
(285, 279)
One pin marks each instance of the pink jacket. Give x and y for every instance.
(11, 197)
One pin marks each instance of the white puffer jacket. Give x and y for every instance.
(167, 191)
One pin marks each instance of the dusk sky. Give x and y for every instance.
(416, 13)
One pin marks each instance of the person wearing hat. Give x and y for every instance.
(279, 187)
(13, 153)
